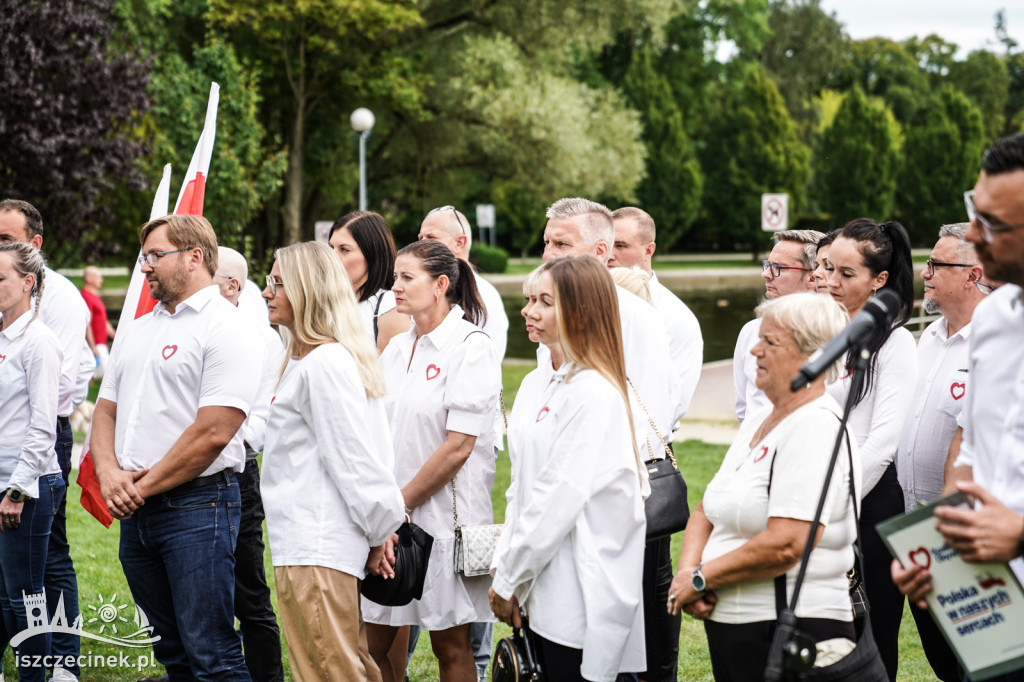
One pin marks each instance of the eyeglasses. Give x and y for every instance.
(932, 264)
(456, 213)
(988, 228)
(151, 259)
(777, 269)
(984, 287)
(273, 283)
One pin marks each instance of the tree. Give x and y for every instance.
(883, 68)
(65, 123)
(942, 152)
(933, 55)
(750, 148)
(984, 78)
(857, 161)
(671, 188)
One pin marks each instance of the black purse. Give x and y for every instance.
(412, 554)
(515, 658)
(666, 508)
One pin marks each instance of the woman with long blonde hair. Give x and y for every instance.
(328, 489)
(572, 551)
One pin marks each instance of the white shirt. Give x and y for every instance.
(255, 428)
(451, 383)
(942, 383)
(993, 444)
(369, 311)
(496, 325)
(64, 311)
(748, 398)
(685, 341)
(572, 549)
(30, 366)
(165, 367)
(738, 503)
(250, 300)
(876, 423)
(328, 489)
(649, 366)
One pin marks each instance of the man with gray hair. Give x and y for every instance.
(933, 428)
(261, 638)
(581, 226)
(789, 269)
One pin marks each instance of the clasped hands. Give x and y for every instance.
(682, 596)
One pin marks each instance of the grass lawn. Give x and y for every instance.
(94, 550)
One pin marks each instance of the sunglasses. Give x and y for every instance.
(456, 213)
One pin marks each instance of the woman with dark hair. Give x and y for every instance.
(443, 380)
(572, 550)
(363, 242)
(865, 258)
(821, 262)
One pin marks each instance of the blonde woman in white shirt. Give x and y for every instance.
(30, 364)
(572, 551)
(329, 493)
(443, 382)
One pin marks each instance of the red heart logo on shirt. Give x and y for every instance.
(168, 351)
(432, 372)
(957, 390)
(925, 562)
(2, 358)
(849, 373)
(543, 413)
(761, 455)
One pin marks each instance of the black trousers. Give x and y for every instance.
(661, 630)
(562, 663)
(261, 639)
(940, 657)
(886, 611)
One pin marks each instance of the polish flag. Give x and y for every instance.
(138, 302)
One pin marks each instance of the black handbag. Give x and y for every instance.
(412, 553)
(864, 663)
(515, 658)
(666, 508)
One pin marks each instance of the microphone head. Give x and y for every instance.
(884, 305)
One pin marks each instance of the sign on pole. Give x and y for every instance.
(485, 220)
(774, 212)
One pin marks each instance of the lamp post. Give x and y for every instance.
(362, 120)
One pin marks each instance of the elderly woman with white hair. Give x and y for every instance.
(753, 522)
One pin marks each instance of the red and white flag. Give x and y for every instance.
(138, 302)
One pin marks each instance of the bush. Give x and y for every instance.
(488, 258)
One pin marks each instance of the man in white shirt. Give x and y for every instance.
(990, 464)
(950, 288)
(581, 226)
(788, 270)
(167, 446)
(261, 638)
(634, 246)
(64, 311)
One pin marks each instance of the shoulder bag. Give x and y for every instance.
(515, 658)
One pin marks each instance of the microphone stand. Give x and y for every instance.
(790, 650)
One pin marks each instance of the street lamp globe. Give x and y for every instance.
(362, 120)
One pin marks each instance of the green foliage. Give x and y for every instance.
(885, 69)
(942, 156)
(933, 55)
(522, 211)
(985, 79)
(488, 258)
(857, 161)
(751, 148)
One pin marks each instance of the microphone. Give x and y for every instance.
(879, 310)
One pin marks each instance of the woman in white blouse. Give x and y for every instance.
(572, 551)
(864, 258)
(329, 493)
(443, 382)
(363, 242)
(30, 359)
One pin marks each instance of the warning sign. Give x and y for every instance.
(774, 212)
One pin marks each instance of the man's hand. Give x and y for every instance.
(990, 533)
(10, 513)
(915, 582)
(119, 492)
(507, 611)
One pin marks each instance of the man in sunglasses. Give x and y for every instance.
(990, 464)
(789, 269)
(932, 432)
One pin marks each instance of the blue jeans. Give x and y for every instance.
(22, 562)
(60, 579)
(177, 552)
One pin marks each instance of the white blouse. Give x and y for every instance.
(328, 489)
(30, 370)
(572, 549)
(369, 311)
(738, 504)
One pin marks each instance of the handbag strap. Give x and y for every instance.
(668, 450)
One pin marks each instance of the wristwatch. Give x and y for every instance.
(16, 495)
(697, 580)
